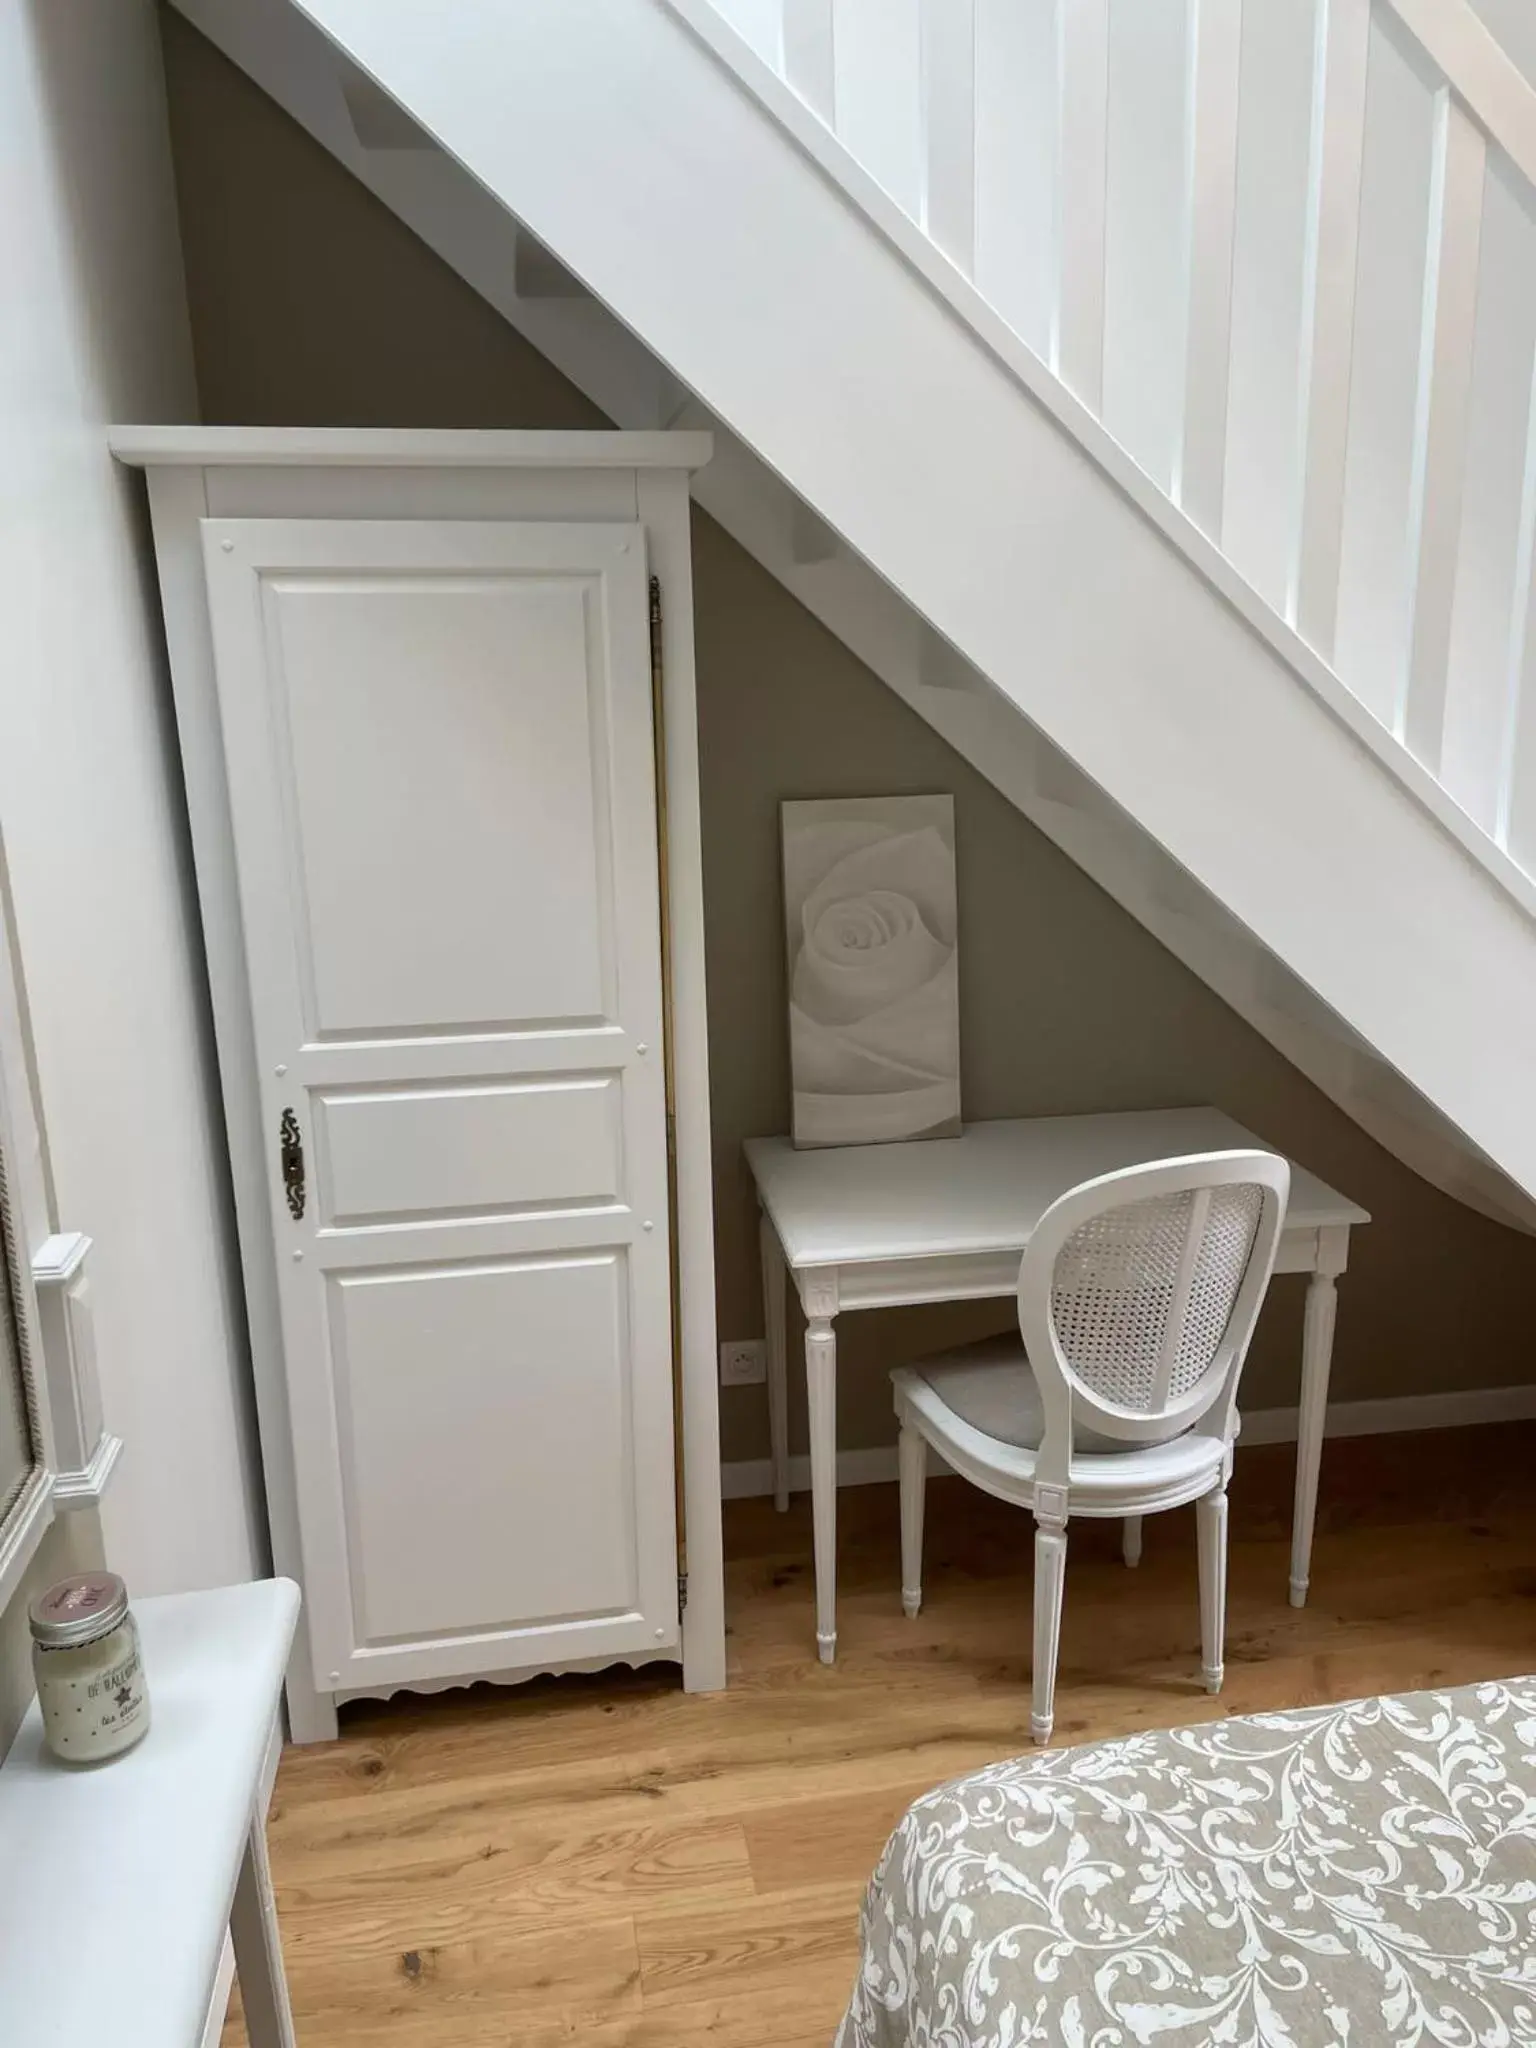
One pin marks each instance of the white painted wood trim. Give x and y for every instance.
(85, 1487)
(85, 1451)
(875, 1465)
(946, 283)
(1503, 101)
(178, 500)
(664, 510)
(404, 448)
(24, 1525)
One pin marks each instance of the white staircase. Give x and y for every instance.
(1159, 371)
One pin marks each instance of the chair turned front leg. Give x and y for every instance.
(1050, 1583)
(912, 1465)
(1130, 1540)
(1211, 1523)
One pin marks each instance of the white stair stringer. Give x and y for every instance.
(1296, 959)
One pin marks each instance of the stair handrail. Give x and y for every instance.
(1479, 70)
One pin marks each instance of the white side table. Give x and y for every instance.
(117, 1882)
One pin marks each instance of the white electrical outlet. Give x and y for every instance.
(743, 1363)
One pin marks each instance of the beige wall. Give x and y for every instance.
(96, 331)
(312, 305)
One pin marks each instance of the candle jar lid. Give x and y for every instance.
(78, 1610)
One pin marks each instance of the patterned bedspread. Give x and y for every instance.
(1359, 1875)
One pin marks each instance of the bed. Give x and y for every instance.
(1358, 1874)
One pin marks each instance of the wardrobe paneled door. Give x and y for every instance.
(439, 750)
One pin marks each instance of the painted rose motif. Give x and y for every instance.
(869, 891)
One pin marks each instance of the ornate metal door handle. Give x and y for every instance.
(291, 1149)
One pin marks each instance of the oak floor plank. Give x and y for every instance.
(605, 1860)
(748, 1946)
(837, 1837)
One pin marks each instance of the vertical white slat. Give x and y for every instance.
(1077, 342)
(759, 23)
(877, 82)
(1440, 425)
(1516, 828)
(1017, 167)
(1376, 558)
(1145, 231)
(808, 59)
(1488, 615)
(1328, 314)
(949, 128)
(1259, 485)
(1212, 100)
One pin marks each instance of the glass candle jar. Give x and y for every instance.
(90, 1677)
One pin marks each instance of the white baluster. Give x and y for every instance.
(948, 58)
(1077, 349)
(808, 59)
(1440, 424)
(1215, 48)
(1328, 314)
(1017, 165)
(876, 51)
(1517, 809)
(1146, 232)
(1258, 508)
(1492, 590)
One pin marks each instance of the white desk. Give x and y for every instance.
(117, 1882)
(883, 1226)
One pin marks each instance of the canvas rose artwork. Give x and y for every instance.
(874, 1015)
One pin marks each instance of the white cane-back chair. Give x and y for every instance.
(1138, 1294)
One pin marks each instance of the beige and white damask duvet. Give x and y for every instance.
(1336, 1877)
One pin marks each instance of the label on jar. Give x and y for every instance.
(98, 1704)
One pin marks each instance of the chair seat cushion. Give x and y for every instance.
(991, 1385)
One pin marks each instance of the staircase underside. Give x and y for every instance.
(1126, 580)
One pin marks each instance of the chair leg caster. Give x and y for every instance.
(1213, 1675)
(911, 1604)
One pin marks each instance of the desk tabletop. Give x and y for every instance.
(116, 1880)
(987, 1189)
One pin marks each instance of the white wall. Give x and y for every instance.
(93, 330)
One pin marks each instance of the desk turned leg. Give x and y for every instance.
(1316, 1365)
(258, 1950)
(774, 1281)
(821, 1387)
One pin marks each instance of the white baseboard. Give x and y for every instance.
(748, 1477)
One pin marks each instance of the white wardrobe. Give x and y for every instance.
(435, 700)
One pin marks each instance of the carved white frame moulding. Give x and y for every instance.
(45, 1275)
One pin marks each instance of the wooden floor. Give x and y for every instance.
(609, 1861)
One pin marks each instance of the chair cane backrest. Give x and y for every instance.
(1139, 1291)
